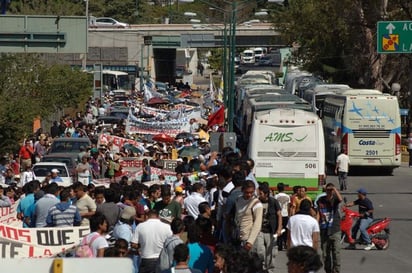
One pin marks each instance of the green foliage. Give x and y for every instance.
(215, 59)
(337, 38)
(30, 88)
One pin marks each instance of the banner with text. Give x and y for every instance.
(18, 242)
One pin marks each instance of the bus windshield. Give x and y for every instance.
(115, 80)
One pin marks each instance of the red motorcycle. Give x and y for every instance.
(378, 229)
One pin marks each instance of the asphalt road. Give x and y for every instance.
(392, 197)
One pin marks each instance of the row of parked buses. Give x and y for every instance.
(293, 138)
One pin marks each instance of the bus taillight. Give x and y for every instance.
(345, 143)
(397, 144)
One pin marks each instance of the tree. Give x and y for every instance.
(337, 39)
(30, 88)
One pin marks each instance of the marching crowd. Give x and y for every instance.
(224, 221)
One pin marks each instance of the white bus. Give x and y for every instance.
(244, 94)
(287, 146)
(317, 95)
(116, 80)
(366, 125)
(266, 102)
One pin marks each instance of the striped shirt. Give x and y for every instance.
(63, 215)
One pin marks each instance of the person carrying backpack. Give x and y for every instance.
(94, 244)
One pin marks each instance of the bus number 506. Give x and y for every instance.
(310, 165)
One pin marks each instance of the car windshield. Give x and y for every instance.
(64, 160)
(42, 171)
(67, 146)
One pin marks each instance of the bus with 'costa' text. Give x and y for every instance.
(287, 146)
(366, 125)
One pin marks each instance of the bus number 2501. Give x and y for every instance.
(310, 165)
(371, 152)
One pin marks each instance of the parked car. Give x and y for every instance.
(69, 145)
(42, 169)
(70, 160)
(107, 22)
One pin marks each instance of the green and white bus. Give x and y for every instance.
(366, 124)
(287, 146)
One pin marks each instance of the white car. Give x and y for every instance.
(107, 22)
(42, 169)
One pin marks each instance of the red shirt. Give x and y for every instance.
(25, 152)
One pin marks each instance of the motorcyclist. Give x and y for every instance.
(366, 211)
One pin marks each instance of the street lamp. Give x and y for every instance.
(229, 80)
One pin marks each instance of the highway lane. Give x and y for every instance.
(392, 197)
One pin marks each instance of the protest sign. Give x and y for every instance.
(18, 242)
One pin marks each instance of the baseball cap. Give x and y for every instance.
(55, 171)
(362, 191)
(179, 160)
(128, 212)
(178, 189)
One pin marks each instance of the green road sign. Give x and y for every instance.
(394, 37)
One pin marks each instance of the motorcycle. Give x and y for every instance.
(378, 229)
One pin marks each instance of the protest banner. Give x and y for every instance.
(117, 142)
(8, 215)
(18, 242)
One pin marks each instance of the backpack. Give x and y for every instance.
(84, 250)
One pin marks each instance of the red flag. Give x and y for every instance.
(217, 117)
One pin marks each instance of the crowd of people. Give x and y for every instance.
(225, 221)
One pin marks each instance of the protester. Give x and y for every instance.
(109, 208)
(96, 239)
(124, 226)
(63, 214)
(45, 203)
(167, 208)
(83, 170)
(28, 201)
(55, 176)
(26, 155)
(301, 195)
(149, 238)
(165, 260)
(201, 256)
(342, 169)
(249, 215)
(265, 244)
(303, 229)
(85, 204)
(330, 234)
(181, 258)
(4, 199)
(284, 202)
(303, 259)
(191, 203)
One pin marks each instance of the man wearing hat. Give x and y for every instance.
(123, 227)
(55, 176)
(366, 211)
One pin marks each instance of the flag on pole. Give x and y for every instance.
(217, 118)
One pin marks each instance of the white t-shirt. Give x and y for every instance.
(191, 204)
(98, 243)
(284, 201)
(343, 163)
(151, 235)
(302, 227)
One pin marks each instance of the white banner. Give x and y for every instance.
(16, 242)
